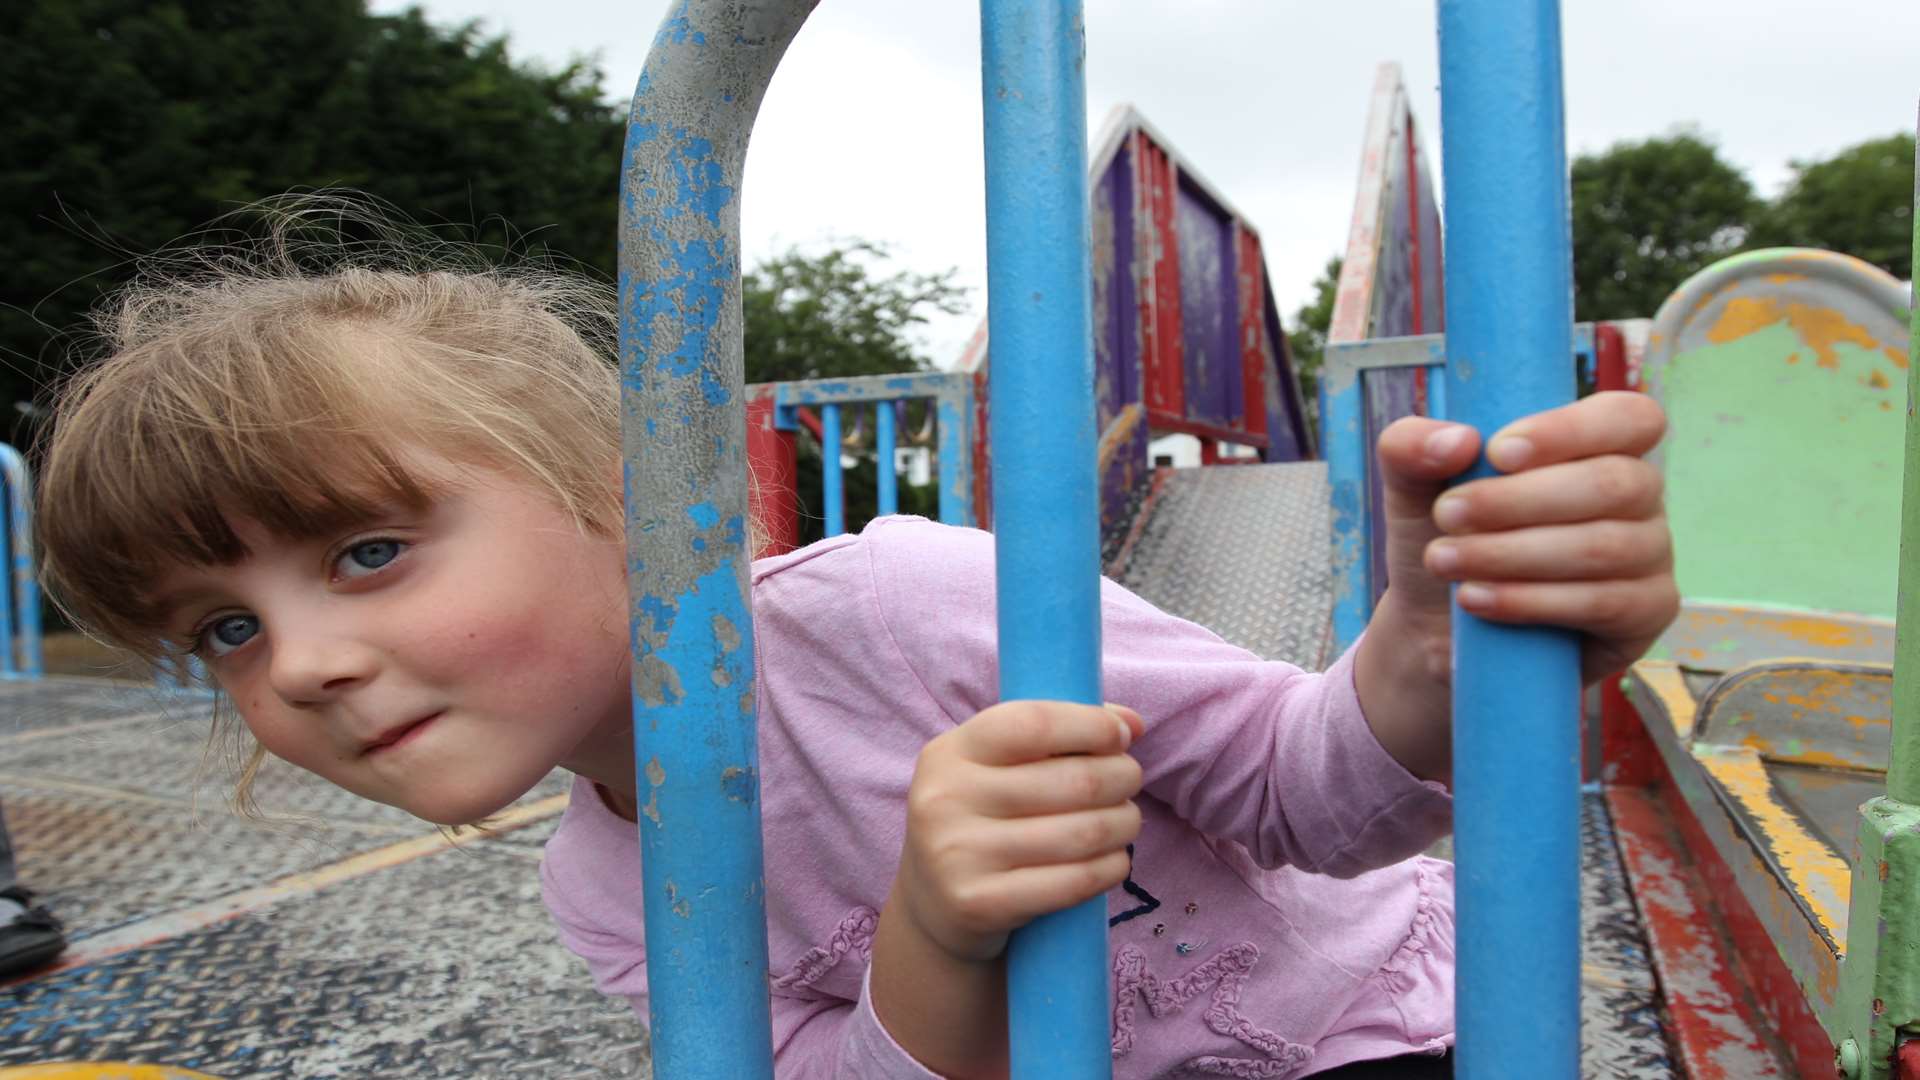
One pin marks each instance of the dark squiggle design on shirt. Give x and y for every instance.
(854, 934)
(1225, 973)
(1148, 902)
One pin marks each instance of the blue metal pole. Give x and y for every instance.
(683, 430)
(888, 499)
(1343, 434)
(831, 495)
(23, 622)
(1046, 513)
(1515, 690)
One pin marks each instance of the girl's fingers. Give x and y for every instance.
(1016, 732)
(1055, 786)
(1612, 486)
(1018, 896)
(1624, 610)
(1063, 838)
(1593, 551)
(1610, 422)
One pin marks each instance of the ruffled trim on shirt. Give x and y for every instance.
(854, 934)
(1426, 958)
(1225, 973)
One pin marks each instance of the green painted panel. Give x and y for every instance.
(1783, 471)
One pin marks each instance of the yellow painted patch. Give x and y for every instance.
(1785, 279)
(1816, 873)
(1877, 380)
(1899, 358)
(1665, 680)
(1816, 631)
(98, 1071)
(1821, 328)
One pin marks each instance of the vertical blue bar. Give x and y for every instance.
(831, 495)
(1343, 431)
(889, 496)
(954, 411)
(1046, 511)
(24, 620)
(1437, 391)
(1516, 747)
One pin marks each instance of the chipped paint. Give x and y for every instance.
(1818, 875)
(1669, 686)
(1807, 712)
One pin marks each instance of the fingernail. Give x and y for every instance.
(1474, 595)
(1510, 452)
(1443, 557)
(1126, 733)
(1450, 513)
(1442, 444)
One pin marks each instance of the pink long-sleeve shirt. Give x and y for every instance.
(1278, 922)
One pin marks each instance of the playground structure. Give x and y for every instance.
(1728, 773)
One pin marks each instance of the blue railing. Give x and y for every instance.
(20, 645)
(1508, 309)
(1350, 423)
(950, 395)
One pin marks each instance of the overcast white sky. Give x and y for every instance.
(872, 126)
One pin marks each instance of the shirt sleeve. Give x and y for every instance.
(1259, 752)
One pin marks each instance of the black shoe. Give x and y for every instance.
(32, 939)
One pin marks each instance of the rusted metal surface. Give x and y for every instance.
(1804, 942)
(1721, 637)
(1804, 712)
(1717, 1027)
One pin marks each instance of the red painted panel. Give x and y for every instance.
(1907, 1060)
(1610, 359)
(982, 458)
(1720, 995)
(1157, 279)
(1161, 423)
(1658, 832)
(773, 496)
(1253, 354)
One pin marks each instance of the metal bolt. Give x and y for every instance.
(1847, 1060)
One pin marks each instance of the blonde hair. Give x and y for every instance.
(282, 381)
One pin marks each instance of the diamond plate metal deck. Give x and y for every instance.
(1244, 551)
(418, 960)
(1622, 1036)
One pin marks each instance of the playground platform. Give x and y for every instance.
(339, 938)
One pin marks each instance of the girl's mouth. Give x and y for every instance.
(401, 735)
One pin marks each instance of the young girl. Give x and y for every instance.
(383, 508)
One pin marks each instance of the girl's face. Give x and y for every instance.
(442, 660)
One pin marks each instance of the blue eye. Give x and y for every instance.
(228, 633)
(368, 556)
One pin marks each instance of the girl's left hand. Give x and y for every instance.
(1573, 534)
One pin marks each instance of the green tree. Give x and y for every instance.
(1307, 341)
(132, 122)
(1646, 216)
(832, 315)
(1860, 201)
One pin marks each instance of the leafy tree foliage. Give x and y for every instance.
(132, 122)
(829, 315)
(1646, 216)
(1859, 201)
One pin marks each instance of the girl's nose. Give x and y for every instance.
(311, 668)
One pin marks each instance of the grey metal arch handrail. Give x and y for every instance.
(688, 550)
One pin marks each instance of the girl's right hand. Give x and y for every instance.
(1023, 810)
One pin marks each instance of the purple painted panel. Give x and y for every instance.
(1287, 435)
(1393, 314)
(1209, 298)
(1108, 221)
(1389, 394)
(1433, 282)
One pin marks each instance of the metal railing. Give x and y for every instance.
(1351, 422)
(20, 641)
(951, 400)
(1508, 307)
